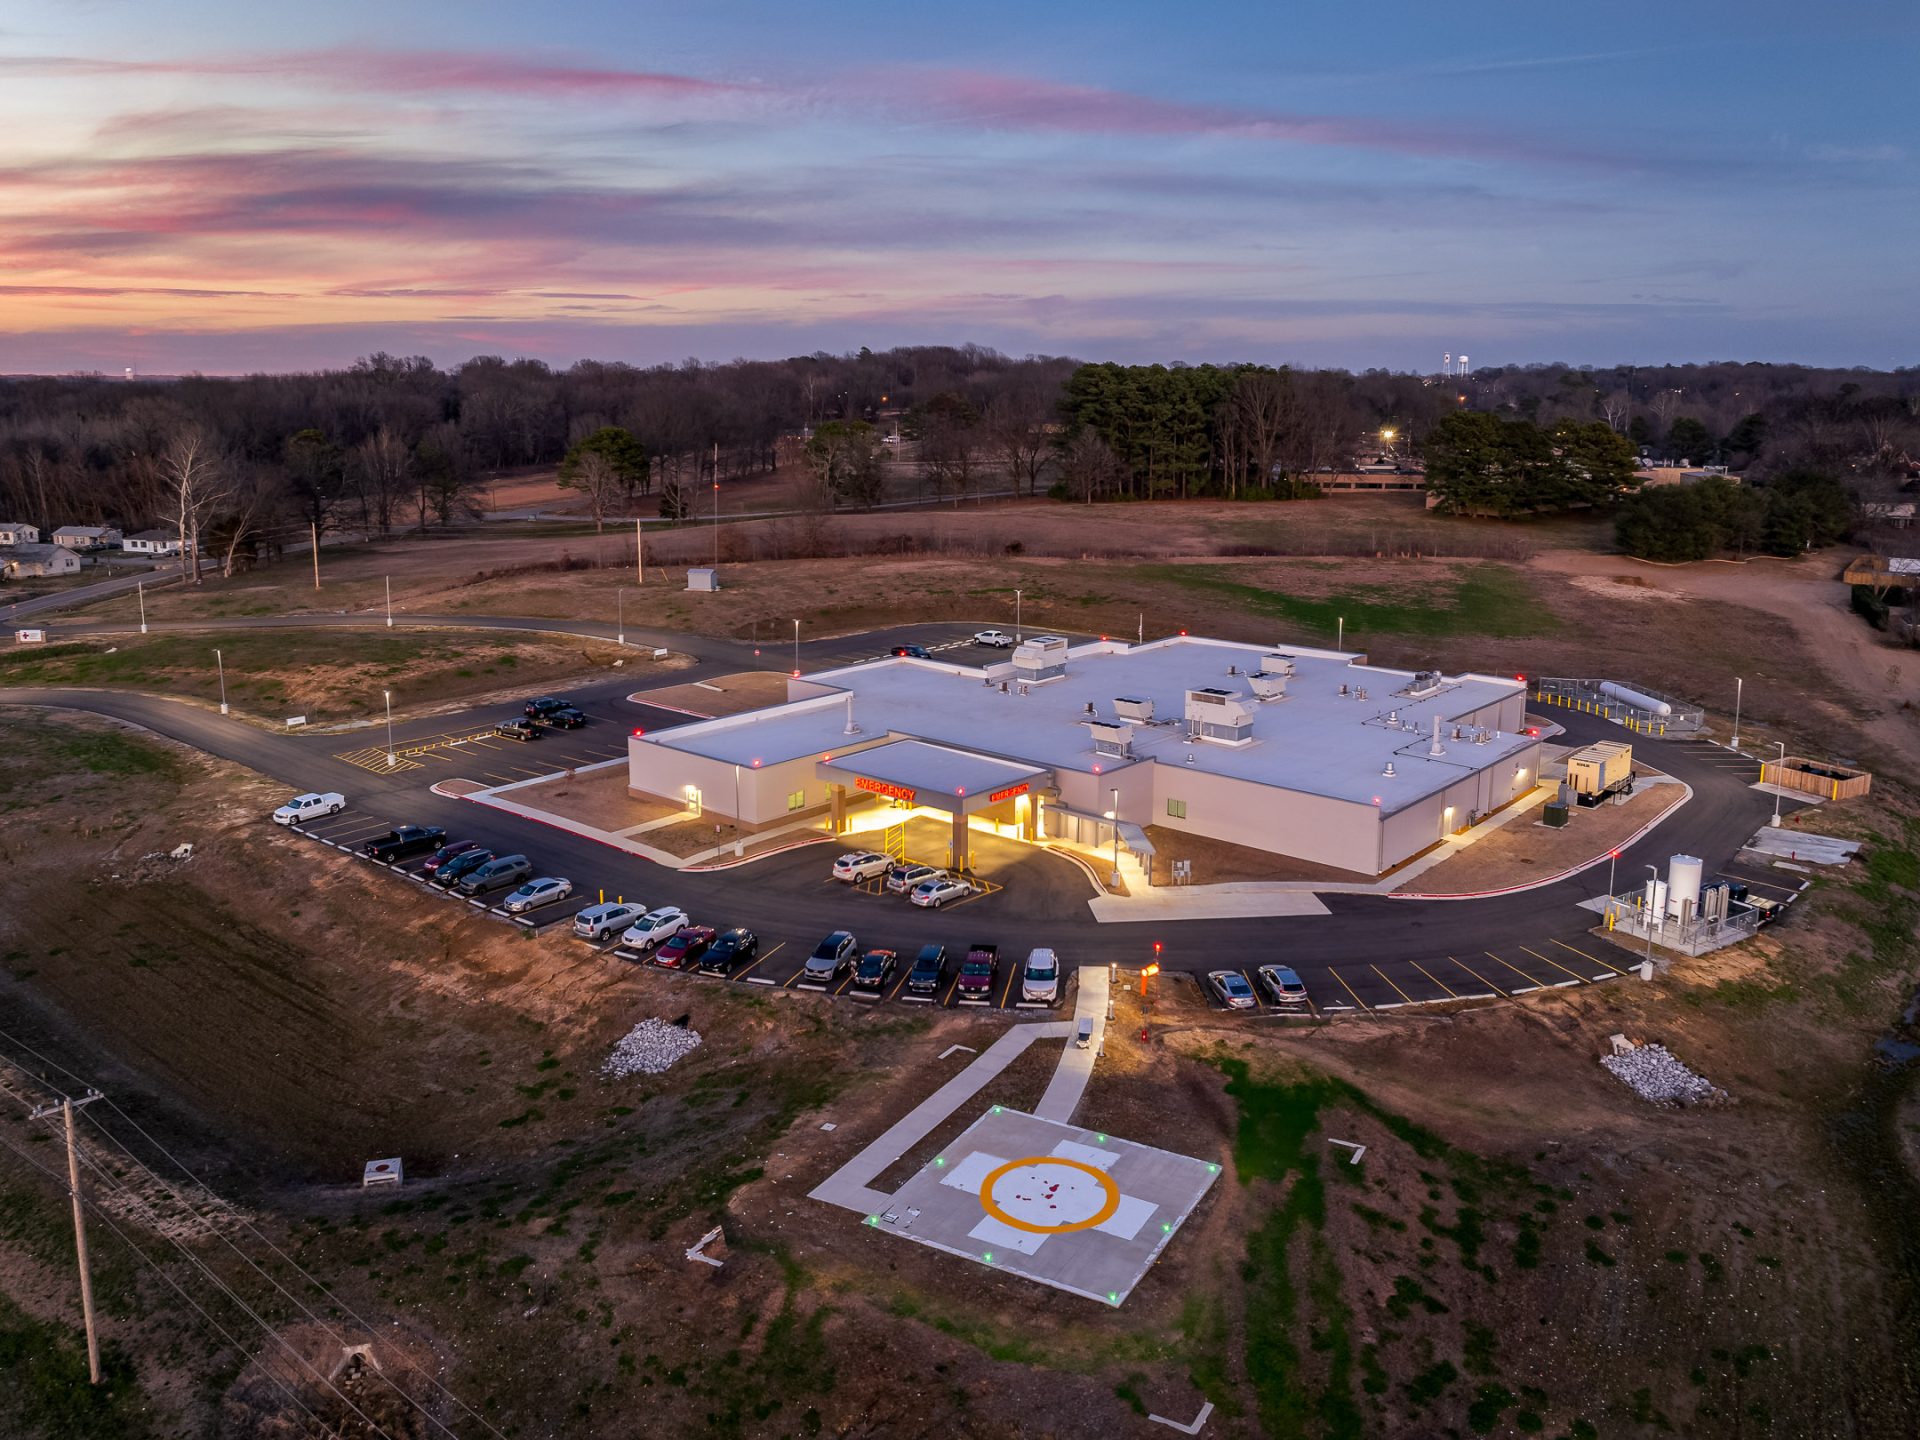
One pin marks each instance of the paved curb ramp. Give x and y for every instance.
(851, 1186)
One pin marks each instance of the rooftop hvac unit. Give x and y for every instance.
(1423, 684)
(1220, 715)
(1140, 712)
(1268, 686)
(1111, 738)
(1040, 657)
(1277, 665)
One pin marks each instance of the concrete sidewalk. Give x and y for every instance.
(850, 1187)
(1070, 1077)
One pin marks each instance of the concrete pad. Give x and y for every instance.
(1082, 1212)
(1234, 901)
(1075, 1069)
(1803, 845)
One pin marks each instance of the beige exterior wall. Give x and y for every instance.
(1287, 822)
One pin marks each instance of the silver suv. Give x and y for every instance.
(502, 874)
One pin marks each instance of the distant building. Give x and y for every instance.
(18, 532)
(151, 542)
(29, 562)
(86, 537)
(1681, 474)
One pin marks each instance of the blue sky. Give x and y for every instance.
(220, 186)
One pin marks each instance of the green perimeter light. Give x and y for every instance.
(1101, 1138)
(873, 1219)
(939, 1159)
(996, 1109)
(1213, 1169)
(1113, 1297)
(1165, 1229)
(988, 1257)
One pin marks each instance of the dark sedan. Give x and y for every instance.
(733, 950)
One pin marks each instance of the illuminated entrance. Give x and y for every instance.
(959, 783)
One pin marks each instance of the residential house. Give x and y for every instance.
(29, 562)
(18, 532)
(86, 537)
(151, 542)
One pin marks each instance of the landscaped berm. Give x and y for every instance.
(1075, 1209)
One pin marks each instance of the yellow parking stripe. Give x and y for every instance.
(1548, 959)
(1390, 985)
(1436, 979)
(1538, 985)
(1007, 989)
(1349, 989)
(1482, 979)
(1594, 958)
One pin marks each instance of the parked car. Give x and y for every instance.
(1040, 981)
(596, 922)
(404, 840)
(1283, 987)
(500, 874)
(934, 893)
(445, 853)
(731, 950)
(830, 958)
(543, 891)
(902, 878)
(452, 872)
(875, 969)
(517, 730)
(654, 926)
(978, 970)
(913, 652)
(998, 639)
(929, 969)
(303, 808)
(860, 865)
(1232, 988)
(679, 952)
(566, 718)
(543, 707)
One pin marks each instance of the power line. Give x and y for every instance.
(107, 1220)
(298, 1269)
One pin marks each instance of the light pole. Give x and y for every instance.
(739, 844)
(796, 648)
(1739, 685)
(140, 588)
(620, 633)
(1776, 783)
(1116, 837)
(1016, 617)
(1613, 859)
(389, 602)
(392, 759)
(1340, 635)
(222, 664)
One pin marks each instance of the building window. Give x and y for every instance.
(1177, 809)
(797, 800)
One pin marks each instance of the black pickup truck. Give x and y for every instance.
(404, 840)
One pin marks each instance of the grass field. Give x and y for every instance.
(323, 674)
(1461, 600)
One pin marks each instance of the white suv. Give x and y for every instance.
(596, 922)
(1041, 979)
(654, 926)
(998, 639)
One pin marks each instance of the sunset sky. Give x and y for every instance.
(222, 186)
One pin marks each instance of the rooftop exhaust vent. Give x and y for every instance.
(1140, 712)
(1389, 771)
(1111, 738)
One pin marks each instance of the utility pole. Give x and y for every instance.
(316, 554)
(66, 1107)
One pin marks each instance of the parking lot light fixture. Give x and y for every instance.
(389, 602)
(796, 649)
(1016, 617)
(1776, 782)
(140, 590)
(1653, 870)
(222, 666)
(1739, 688)
(620, 630)
(392, 759)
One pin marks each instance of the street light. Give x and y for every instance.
(1739, 685)
(620, 608)
(739, 844)
(140, 588)
(1654, 870)
(217, 660)
(1613, 859)
(1340, 635)
(389, 602)
(796, 649)
(1016, 617)
(392, 759)
(1776, 783)
(1116, 837)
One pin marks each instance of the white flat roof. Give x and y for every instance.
(1314, 740)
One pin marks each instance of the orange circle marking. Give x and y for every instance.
(1105, 1212)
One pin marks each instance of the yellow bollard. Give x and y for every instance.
(603, 897)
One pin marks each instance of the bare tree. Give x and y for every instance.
(385, 463)
(596, 476)
(195, 477)
(1615, 408)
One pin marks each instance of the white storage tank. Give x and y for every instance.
(1635, 698)
(1683, 885)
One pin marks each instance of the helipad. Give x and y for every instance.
(1075, 1209)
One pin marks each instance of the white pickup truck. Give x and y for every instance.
(303, 808)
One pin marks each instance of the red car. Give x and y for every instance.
(445, 853)
(684, 949)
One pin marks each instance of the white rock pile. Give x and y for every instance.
(1652, 1073)
(650, 1047)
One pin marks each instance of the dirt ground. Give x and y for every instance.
(1526, 849)
(598, 798)
(723, 695)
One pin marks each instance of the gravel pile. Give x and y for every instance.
(1651, 1072)
(650, 1047)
